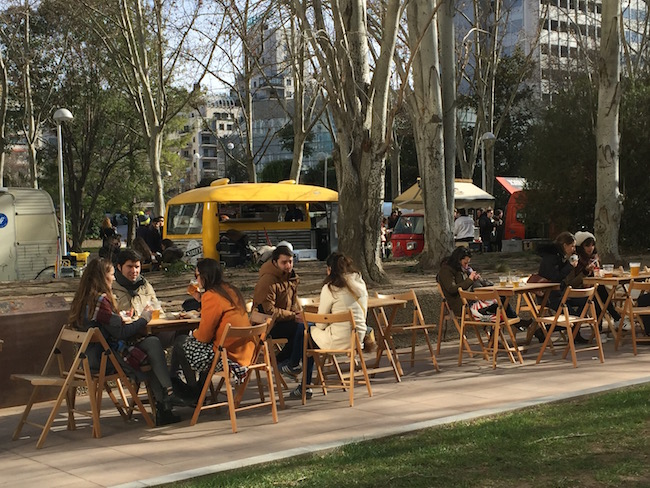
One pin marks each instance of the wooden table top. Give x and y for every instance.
(373, 302)
(618, 277)
(173, 323)
(522, 288)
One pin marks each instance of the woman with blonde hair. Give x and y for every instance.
(107, 230)
(94, 306)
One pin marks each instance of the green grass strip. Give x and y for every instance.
(597, 441)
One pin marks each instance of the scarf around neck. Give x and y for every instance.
(130, 286)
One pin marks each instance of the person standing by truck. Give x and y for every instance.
(464, 227)
(499, 228)
(486, 227)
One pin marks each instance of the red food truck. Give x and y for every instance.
(514, 227)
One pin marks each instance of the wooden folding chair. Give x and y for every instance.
(501, 324)
(563, 320)
(635, 314)
(416, 325)
(353, 352)
(257, 318)
(76, 373)
(260, 363)
(447, 315)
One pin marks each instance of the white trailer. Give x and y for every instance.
(28, 234)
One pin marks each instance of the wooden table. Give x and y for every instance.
(173, 324)
(528, 293)
(619, 281)
(385, 343)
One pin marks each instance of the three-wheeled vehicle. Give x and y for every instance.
(407, 238)
(222, 221)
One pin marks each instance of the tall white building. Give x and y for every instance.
(563, 35)
(212, 126)
(272, 75)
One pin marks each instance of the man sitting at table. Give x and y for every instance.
(132, 291)
(276, 292)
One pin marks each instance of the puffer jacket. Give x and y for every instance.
(277, 292)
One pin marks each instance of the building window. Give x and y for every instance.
(220, 126)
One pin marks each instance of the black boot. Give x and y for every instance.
(165, 415)
(539, 334)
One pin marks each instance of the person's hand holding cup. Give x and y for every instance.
(147, 313)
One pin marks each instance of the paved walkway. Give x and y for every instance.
(132, 455)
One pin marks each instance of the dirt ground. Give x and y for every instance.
(403, 275)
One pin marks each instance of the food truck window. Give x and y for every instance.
(185, 219)
(263, 212)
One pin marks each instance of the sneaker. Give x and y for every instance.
(296, 393)
(165, 416)
(626, 323)
(290, 370)
(580, 339)
(623, 320)
(524, 324)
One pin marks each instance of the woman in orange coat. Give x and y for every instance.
(221, 304)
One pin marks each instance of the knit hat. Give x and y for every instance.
(582, 236)
(286, 244)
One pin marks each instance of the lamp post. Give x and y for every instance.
(489, 138)
(62, 115)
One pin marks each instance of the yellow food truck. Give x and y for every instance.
(223, 220)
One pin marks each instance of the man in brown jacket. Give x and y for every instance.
(276, 292)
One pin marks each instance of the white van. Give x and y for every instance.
(28, 234)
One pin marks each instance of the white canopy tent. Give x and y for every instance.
(466, 195)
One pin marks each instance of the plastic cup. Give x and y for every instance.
(157, 309)
(634, 269)
(503, 280)
(515, 282)
(609, 270)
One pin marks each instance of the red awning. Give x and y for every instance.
(512, 184)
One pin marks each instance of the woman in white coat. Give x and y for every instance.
(343, 290)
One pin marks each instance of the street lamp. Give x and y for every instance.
(62, 115)
(489, 138)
